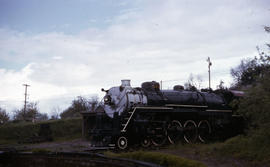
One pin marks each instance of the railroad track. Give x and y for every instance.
(66, 159)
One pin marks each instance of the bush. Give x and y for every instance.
(255, 145)
(4, 118)
(61, 129)
(67, 129)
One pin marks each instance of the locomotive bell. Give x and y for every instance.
(125, 82)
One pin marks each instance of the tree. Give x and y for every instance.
(79, 105)
(249, 71)
(194, 82)
(221, 85)
(30, 114)
(93, 102)
(4, 118)
(55, 114)
(41, 117)
(255, 105)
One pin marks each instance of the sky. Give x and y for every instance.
(69, 48)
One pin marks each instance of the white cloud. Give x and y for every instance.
(57, 58)
(163, 40)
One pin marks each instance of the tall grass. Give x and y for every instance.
(254, 147)
(162, 159)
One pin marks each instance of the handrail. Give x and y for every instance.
(124, 129)
(183, 105)
(153, 108)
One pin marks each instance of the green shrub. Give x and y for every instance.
(61, 129)
(67, 128)
(255, 107)
(15, 132)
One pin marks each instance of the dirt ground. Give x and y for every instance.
(81, 145)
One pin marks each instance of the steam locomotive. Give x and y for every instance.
(148, 116)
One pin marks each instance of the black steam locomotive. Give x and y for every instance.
(148, 116)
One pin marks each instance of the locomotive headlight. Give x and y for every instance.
(107, 99)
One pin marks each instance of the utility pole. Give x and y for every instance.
(209, 72)
(25, 100)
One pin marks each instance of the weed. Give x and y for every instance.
(158, 158)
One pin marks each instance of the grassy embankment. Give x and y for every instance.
(252, 149)
(61, 130)
(162, 159)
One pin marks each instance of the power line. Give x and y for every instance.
(209, 72)
(25, 97)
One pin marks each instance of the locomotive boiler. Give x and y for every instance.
(148, 116)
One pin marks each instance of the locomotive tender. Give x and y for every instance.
(148, 116)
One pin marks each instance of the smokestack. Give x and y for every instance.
(125, 82)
